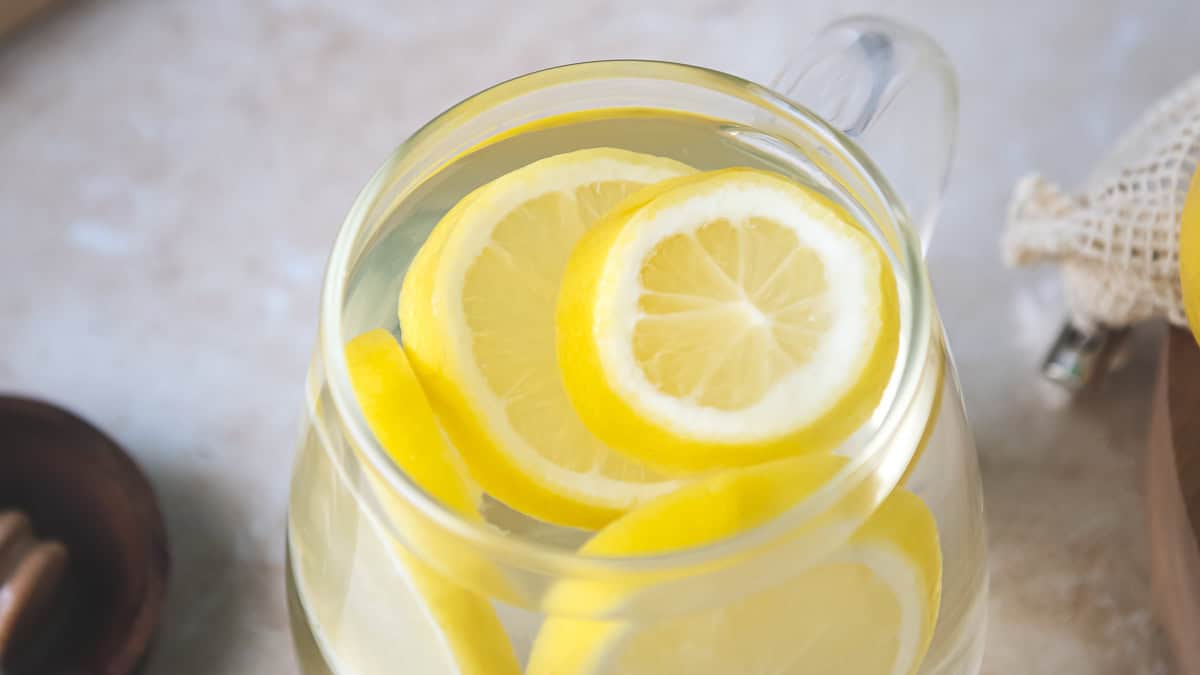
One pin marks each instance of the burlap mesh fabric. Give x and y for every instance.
(1117, 241)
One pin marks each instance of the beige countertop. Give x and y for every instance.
(172, 175)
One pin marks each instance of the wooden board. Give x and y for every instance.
(1173, 498)
(13, 13)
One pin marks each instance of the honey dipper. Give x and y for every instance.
(31, 597)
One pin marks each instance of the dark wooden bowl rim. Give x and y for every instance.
(79, 487)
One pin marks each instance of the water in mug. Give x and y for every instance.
(342, 581)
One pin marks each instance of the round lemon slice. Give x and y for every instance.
(870, 608)
(732, 318)
(1189, 255)
(477, 317)
(463, 633)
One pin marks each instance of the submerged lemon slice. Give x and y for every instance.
(726, 319)
(396, 409)
(477, 316)
(466, 636)
(868, 609)
(1189, 255)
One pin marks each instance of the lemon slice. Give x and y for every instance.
(477, 316)
(463, 633)
(1189, 255)
(869, 609)
(734, 318)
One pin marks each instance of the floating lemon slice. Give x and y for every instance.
(869, 609)
(1189, 255)
(463, 633)
(726, 319)
(477, 316)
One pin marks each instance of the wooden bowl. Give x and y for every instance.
(78, 487)
(1173, 498)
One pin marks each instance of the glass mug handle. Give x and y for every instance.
(891, 89)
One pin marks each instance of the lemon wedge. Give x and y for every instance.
(463, 633)
(870, 608)
(725, 319)
(477, 317)
(1189, 255)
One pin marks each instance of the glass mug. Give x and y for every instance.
(880, 100)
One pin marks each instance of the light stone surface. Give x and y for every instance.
(172, 174)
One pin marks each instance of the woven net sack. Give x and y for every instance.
(1117, 241)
